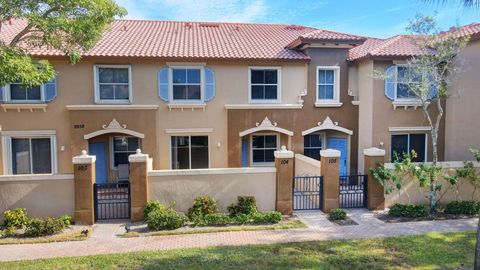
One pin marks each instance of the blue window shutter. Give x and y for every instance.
(209, 84)
(163, 83)
(50, 89)
(390, 81)
(2, 93)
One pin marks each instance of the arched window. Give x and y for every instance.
(397, 83)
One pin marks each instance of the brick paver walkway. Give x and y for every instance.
(104, 239)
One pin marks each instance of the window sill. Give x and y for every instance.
(262, 106)
(110, 107)
(113, 102)
(320, 104)
(24, 106)
(188, 106)
(356, 102)
(406, 104)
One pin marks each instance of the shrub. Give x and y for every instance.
(16, 218)
(337, 214)
(241, 218)
(66, 220)
(42, 227)
(462, 208)
(268, 217)
(217, 219)
(245, 205)
(202, 206)
(165, 218)
(152, 205)
(408, 210)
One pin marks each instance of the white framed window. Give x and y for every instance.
(122, 147)
(113, 84)
(262, 148)
(404, 143)
(397, 83)
(189, 152)
(187, 84)
(27, 152)
(264, 84)
(328, 86)
(312, 144)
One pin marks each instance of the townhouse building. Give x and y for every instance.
(214, 95)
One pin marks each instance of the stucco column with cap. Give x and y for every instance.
(330, 170)
(138, 184)
(375, 192)
(84, 177)
(285, 167)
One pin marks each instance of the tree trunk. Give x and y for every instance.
(433, 183)
(477, 249)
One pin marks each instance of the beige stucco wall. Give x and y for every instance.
(41, 195)
(306, 166)
(462, 125)
(222, 184)
(365, 111)
(76, 87)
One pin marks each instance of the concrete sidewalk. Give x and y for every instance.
(105, 240)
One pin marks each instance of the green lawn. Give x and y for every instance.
(430, 251)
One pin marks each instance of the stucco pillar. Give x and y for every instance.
(138, 184)
(285, 167)
(375, 192)
(330, 170)
(84, 177)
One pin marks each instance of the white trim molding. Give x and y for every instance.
(96, 85)
(403, 129)
(335, 102)
(24, 106)
(138, 157)
(188, 130)
(330, 153)
(266, 125)
(283, 153)
(374, 152)
(189, 106)
(83, 158)
(326, 125)
(262, 106)
(114, 127)
(35, 177)
(110, 107)
(279, 84)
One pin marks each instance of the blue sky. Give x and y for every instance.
(377, 18)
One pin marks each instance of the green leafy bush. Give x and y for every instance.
(16, 218)
(267, 217)
(245, 205)
(408, 210)
(202, 206)
(42, 227)
(152, 205)
(217, 219)
(241, 218)
(462, 208)
(165, 218)
(66, 219)
(337, 214)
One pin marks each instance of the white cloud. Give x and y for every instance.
(196, 10)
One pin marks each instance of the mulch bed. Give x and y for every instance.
(345, 222)
(439, 216)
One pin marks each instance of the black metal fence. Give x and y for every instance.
(112, 201)
(307, 192)
(353, 191)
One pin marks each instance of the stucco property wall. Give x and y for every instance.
(305, 166)
(462, 125)
(41, 195)
(224, 185)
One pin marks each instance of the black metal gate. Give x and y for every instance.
(112, 201)
(307, 192)
(353, 191)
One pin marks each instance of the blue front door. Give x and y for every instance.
(98, 149)
(340, 144)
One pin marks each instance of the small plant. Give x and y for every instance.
(241, 218)
(268, 217)
(470, 208)
(152, 205)
(409, 210)
(337, 214)
(16, 218)
(66, 220)
(245, 205)
(165, 218)
(41, 227)
(202, 206)
(217, 219)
